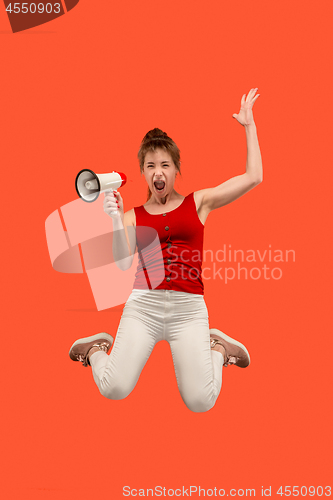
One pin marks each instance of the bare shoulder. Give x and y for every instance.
(199, 198)
(129, 218)
(201, 205)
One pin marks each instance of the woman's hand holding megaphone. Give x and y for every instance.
(113, 204)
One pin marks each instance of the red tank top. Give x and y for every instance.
(170, 247)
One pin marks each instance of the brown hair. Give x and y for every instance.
(153, 140)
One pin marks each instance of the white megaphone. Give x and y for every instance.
(88, 184)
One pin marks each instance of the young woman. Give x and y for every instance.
(174, 308)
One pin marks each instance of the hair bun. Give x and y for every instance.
(156, 133)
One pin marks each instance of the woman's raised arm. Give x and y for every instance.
(236, 187)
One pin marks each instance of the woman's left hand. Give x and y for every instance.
(245, 115)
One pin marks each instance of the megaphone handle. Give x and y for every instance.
(115, 211)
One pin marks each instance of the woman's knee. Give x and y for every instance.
(199, 403)
(115, 391)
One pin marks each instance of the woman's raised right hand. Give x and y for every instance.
(113, 202)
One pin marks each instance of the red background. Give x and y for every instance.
(81, 92)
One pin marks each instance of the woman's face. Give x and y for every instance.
(160, 172)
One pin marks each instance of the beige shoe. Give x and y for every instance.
(235, 352)
(80, 349)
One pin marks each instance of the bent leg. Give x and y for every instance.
(198, 369)
(117, 374)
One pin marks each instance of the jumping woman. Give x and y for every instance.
(175, 309)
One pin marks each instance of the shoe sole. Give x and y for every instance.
(87, 340)
(228, 339)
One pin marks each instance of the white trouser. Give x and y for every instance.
(150, 316)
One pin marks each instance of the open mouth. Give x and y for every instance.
(159, 185)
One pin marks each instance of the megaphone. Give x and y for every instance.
(88, 184)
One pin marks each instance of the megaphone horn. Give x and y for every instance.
(88, 184)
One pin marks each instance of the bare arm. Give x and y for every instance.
(124, 241)
(237, 186)
(124, 234)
